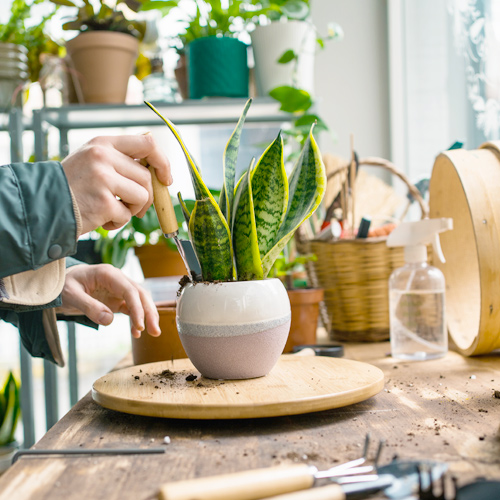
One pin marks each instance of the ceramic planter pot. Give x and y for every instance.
(217, 67)
(167, 346)
(234, 330)
(159, 260)
(102, 63)
(305, 312)
(270, 42)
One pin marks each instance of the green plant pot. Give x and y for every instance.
(217, 67)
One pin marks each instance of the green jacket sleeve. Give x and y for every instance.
(37, 223)
(30, 324)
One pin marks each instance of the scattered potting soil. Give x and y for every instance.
(176, 379)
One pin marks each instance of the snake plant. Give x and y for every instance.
(10, 409)
(243, 233)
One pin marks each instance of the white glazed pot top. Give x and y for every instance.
(233, 303)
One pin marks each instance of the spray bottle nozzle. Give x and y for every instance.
(414, 236)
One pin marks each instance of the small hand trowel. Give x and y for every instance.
(168, 223)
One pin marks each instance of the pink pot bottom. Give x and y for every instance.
(237, 357)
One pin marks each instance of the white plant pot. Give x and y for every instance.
(270, 42)
(234, 330)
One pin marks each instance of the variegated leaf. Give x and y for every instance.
(307, 184)
(200, 189)
(230, 158)
(184, 208)
(246, 247)
(237, 196)
(270, 194)
(212, 241)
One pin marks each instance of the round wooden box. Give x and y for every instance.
(465, 186)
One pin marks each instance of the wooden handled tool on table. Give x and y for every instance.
(247, 485)
(265, 483)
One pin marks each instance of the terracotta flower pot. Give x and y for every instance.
(159, 260)
(102, 62)
(167, 346)
(181, 76)
(234, 330)
(304, 303)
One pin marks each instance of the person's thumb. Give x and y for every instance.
(96, 311)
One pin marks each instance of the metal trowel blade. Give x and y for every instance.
(192, 260)
(406, 476)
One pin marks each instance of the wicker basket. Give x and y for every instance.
(354, 274)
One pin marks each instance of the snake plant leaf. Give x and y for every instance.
(307, 184)
(270, 194)
(229, 165)
(12, 410)
(237, 196)
(200, 189)
(245, 243)
(223, 202)
(185, 211)
(211, 240)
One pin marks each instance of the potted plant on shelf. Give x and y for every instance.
(234, 324)
(284, 43)
(102, 55)
(212, 59)
(23, 49)
(10, 409)
(304, 299)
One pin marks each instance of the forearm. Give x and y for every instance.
(39, 221)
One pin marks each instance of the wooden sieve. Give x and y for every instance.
(465, 186)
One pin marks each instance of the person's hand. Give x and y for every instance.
(98, 291)
(109, 183)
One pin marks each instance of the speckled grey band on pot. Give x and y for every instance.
(229, 330)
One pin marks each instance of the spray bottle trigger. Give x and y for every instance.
(436, 246)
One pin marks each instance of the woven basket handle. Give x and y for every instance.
(381, 162)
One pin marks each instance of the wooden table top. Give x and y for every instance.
(446, 409)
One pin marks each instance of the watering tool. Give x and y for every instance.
(417, 292)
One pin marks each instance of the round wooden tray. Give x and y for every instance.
(297, 384)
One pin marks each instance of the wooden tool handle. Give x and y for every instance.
(248, 485)
(163, 205)
(331, 492)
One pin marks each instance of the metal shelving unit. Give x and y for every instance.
(190, 112)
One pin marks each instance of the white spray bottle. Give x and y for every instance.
(417, 293)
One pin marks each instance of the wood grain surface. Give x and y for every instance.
(297, 384)
(444, 409)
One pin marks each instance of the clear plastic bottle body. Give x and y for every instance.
(417, 312)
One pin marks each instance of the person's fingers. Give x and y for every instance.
(145, 147)
(150, 313)
(95, 310)
(118, 285)
(119, 215)
(134, 196)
